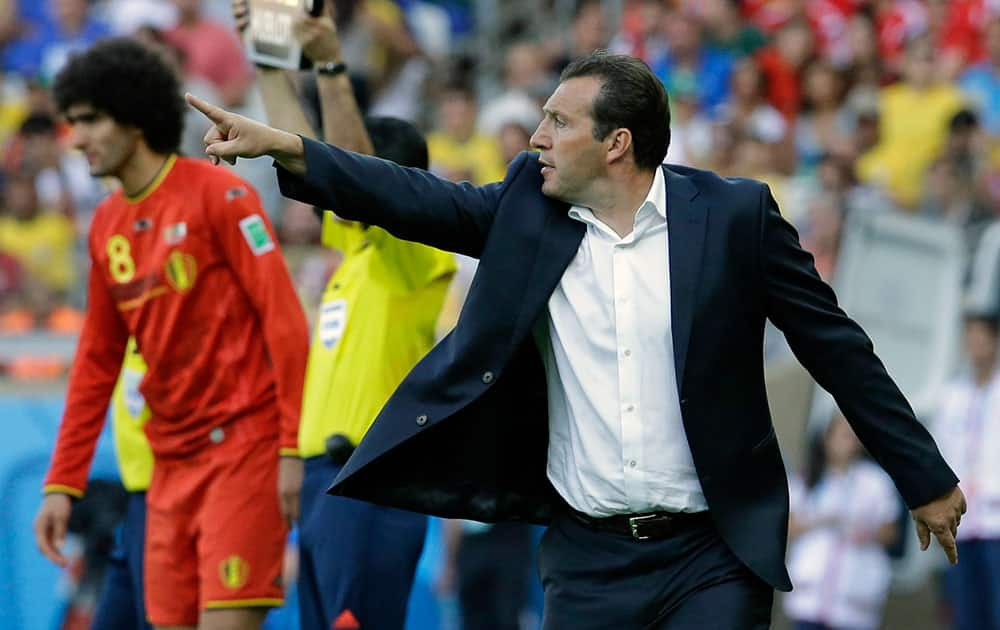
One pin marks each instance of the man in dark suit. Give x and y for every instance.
(606, 373)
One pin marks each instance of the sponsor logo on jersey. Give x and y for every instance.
(180, 271)
(256, 234)
(234, 572)
(175, 233)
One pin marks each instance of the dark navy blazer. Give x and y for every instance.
(465, 434)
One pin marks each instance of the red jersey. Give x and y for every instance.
(192, 270)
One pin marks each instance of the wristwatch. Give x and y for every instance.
(332, 68)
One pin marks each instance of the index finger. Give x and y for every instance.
(947, 542)
(214, 113)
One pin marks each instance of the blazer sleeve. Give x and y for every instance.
(410, 203)
(840, 357)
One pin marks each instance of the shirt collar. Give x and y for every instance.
(656, 197)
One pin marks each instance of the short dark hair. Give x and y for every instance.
(130, 83)
(631, 97)
(397, 140)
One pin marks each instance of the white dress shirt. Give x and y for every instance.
(616, 441)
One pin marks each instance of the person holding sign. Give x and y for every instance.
(378, 316)
(185, 261)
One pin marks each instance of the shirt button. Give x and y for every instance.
(487, 377)
(628, 352)
(631, 464)
(629, 408)
(421, 419)
(217, 435)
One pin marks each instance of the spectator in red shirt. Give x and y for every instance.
(212, 52)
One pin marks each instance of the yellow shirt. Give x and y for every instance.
(914, 126)
(377, 319)
(479, 159)
(43, 246)
(129, 414)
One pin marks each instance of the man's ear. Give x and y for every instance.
(619, 144)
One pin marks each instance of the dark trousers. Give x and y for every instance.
(973, 586)
(357, 560)
(494, 571)
(121, 605)
(689, 581)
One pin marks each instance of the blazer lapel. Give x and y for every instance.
(559, 241)
(686, 223)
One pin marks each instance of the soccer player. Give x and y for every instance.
(377, 319)
(183, 259)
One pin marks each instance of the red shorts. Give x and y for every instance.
(215, 537)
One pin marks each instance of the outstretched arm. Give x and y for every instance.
(840, 356)
(410, 203)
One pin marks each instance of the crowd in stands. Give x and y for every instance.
(841, 106)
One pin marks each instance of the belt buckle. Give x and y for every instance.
(635, 521)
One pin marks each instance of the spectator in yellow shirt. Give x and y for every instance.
(914, 116)
(457, 151)
(42, 242)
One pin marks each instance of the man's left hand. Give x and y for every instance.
(941, 517)
(290, 474)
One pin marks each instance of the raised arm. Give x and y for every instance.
(343, 125)
(840, 356)
(410, 203)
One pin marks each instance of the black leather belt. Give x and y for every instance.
(651, 526)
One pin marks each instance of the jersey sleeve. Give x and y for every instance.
(93, 376)
(250, 246)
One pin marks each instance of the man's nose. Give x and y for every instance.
(539, 139)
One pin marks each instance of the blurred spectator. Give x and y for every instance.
(844, 513)
(898, 21)
(726, 30)
(527, 83)
(382, 55)
(457, 151)
(691, 132)
(824, 126)
(689, 65)
(588, 33)
(41, 241)
(211, 51)
(62, 180)
(967, 429)
(981, 82)
(640, 34)
(956, 28)
(783, 62)
(747, 108)
(913, 118)
(45, 46)
(955, 186)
